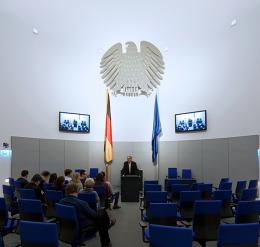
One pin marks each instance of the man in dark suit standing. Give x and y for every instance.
(130, 167)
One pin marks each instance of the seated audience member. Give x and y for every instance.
(75, 179)
(68, 174)
(53, 178)
(89, 184)
(35, 185)
(23, 180)
(46, 176)
(59, 184)
(115, 195)
(87, 216)
(83, 176)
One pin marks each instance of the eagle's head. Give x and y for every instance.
(131, 47)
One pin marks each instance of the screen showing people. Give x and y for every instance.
(74, 122)
(130, 167)
(192, 121)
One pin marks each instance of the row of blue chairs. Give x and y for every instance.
(185, 173)
(206, 216)
(232, 235)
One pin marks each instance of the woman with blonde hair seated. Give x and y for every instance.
(75, 179)
(89, 184)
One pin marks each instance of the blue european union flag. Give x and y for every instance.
(156, 130)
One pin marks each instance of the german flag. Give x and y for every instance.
(108, 144)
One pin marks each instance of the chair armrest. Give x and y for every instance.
(141, 208)
(180, 224)
(186, 223)
(51, 220)
(143, 224)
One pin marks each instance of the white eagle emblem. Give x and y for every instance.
(132, 73)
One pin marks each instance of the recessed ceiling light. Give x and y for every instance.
(233, 23)
(35, 31)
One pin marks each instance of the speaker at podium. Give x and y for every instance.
(130, 186)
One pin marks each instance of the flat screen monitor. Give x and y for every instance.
(74, 122)
(191, 121)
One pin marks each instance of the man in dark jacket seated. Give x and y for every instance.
(35, 185)
(23, 180)
(88, 216)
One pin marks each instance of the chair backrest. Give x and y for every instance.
(172, 172)
(169, 182)
(249, 195)
(90, 198)
(247, 212)
(240, 235)
(152, 187)
(78, 170)
(176, 189)
(224, 180)
(52, 197)
(46, 186)
(93, 172)
(11, 182)
(163, 214)
(195, 186)
(38, 234)
(206, 219)
(241, 185)
(206, 191)
(225, 186)
(170, 236)
(27, 194)
(186, 174)
(151, 182)
(187, 200)
(253, 184)
(30, 210)
(3, 213)
(8, 193)
(17, 185)
(223, 195)
(69, 225)
(154, 197)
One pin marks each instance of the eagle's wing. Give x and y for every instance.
(110, 64)
(153, 63)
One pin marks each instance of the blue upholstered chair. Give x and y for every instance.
(70, 231)
(10, 199)
(170, 182)
(170, 236)
(253, 184)
(31, 210)
(176, 190)
(186, 204)
(206, 191)
(160, 214)
(90, 198)
(27, 194)
(206, 219)
(93, 172)
(152, 197)
(249, 195)
(247, 212)
(52, 197)
(186, 174)
(225, 186)
(226, 197)
(241, 185)
(239, 235)
(195, 186)
(38, 234)
(172, 172)
(7, 225)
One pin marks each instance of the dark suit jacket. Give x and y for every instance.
(22, 181)
(134, 169)
(86, 215)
